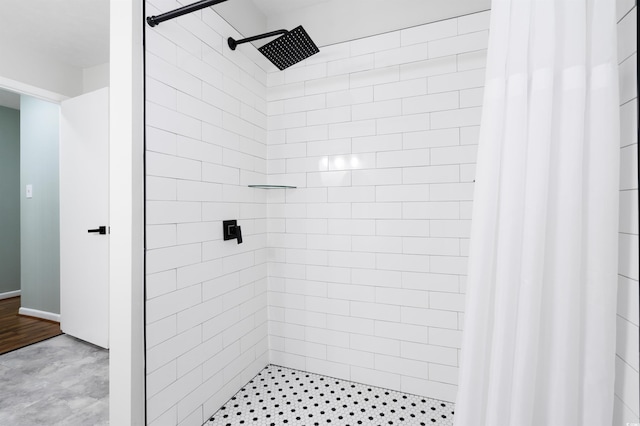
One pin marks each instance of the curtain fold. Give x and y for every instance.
(539, 335)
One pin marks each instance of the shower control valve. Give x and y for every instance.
(231, 230)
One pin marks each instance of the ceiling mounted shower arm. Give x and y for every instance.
(233, 42)
(155, 20)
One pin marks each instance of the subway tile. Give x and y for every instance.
(431, 246)
(352, 194)
(375, 311)
(304, 73)
(454, 155)
(351, 227)
(396, 193)
(160, 212)
(402, 332)
(329, 115)
(402, 297)
(351, 292)
(352, 129)
(304, 103)
(431, 174)
(405, 158)
(334, 178)
(629, 167)
(403, 228)
(430, 103)
(429, 67)
(326, 85)
(407, 123)
(377, 244)
(455, 118)
(401, 55)
(628, 124)
(471, 97)
(402, 89)
(160, 236)
(428, 32)
(431, 282)
(473, 22)
(376, 210)
(329, 306)
(456, 81)
(403, 262)
(390, 142)
(437, 390)
(375, 43)
(329, 147)
(459, 44)
(377, 278)
(377, 110)
(472, 60)
(349, 65)
(374, 77)
(160, 189)
(307, 134)
(627, 30)
(350, 324)
(350, 97)
(429, 317)
(628, 71)
(432, 210)
(377, 177)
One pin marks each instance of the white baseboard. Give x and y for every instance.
(9, 294)
(39, 314)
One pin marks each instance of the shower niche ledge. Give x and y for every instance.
(272, 186)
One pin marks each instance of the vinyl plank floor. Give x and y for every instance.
(61, 381)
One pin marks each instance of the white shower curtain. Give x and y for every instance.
(539, 334)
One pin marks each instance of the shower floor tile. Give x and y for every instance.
(282, 396)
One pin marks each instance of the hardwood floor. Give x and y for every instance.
(17, 331)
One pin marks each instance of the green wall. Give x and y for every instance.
(40, 215)
(9, 199)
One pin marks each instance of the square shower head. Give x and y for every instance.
(290, 48)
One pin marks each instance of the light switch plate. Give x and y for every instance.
(29, 191)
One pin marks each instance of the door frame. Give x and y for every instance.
(126, 209)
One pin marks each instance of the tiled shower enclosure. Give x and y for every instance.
(358, 274)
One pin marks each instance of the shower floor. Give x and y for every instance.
(282, 396)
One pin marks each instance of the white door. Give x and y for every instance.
(84, 208)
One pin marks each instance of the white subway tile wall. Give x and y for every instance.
(627, 399)
(206, 308)
(367, 256)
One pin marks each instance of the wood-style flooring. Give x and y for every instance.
(17, 331)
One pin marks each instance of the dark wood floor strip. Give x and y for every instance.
(17, 331)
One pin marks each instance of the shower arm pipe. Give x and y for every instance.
(155, 20)
(233, 43)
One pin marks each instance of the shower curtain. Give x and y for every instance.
(539, 333)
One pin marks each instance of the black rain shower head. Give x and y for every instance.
(289, 49)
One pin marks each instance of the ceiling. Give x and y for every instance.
(75, 32)
(270, 8)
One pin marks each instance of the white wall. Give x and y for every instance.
(627, 390)
(39, 70)
(206, 141)
(368, 256)
(94, 78)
